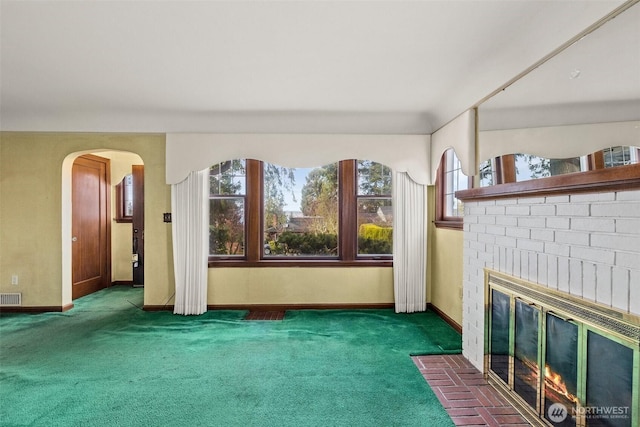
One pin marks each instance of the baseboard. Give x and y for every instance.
(444, 317)
(37, 309)
(168, 307)
(281, 307)
(122, 282)
(285, 307)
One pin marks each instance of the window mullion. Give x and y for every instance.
(254, 210)
(348, 210)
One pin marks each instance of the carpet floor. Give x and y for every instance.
(109, 363)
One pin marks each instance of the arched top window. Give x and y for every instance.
(266, 214)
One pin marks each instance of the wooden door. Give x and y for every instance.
(91, 241)
(138, 224)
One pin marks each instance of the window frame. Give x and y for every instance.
(357, 198)
(441, 219)
(347, 236)
(244, 197)
(121, 208)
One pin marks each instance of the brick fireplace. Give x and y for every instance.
(585, 244)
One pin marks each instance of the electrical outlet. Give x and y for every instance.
(14, 279)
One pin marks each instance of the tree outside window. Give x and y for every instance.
(227, 208)
(301, 219)
(375, 211)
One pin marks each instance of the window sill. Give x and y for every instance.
(610, 179)
(452, 225)
(301, 263)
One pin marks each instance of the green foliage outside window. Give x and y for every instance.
(311, 244)
(374, 212)
(374, 239)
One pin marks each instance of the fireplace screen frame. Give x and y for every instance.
(589, 317)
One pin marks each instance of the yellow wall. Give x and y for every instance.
(35, 180)
(320, 285)
(445, 266)
(32, 214)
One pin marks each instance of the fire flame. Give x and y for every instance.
(555, 382)
(552, 380)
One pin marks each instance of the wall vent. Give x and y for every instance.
(10, 299)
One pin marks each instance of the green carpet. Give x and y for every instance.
(108, 363)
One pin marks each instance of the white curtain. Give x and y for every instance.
(409, 244)
(190, 224)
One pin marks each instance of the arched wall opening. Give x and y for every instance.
(120, 161)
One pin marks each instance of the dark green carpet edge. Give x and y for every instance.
(108, 362)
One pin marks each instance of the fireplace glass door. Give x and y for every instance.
(561, 369)
(609, 382)
(500, 324)
(526, 365)
(562, 361)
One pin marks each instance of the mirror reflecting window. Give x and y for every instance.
(532, 167)
(578, 111)
(487, 173)
(620, 156)
(528, 166)
(124, 199)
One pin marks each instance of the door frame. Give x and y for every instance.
(66, 229)
(137, 223)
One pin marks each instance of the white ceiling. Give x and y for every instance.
(394, 67)
(596, 79)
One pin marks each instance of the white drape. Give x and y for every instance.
(409, 244)
(190, 223)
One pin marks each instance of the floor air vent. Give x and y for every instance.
(10, 299)
(265, 315)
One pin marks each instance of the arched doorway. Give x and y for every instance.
(121, 232)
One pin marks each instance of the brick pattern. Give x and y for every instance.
(265, 315)
(463, 392)
(587, 245)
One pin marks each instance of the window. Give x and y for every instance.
(227, 192)
(267, 214)
(449, 209)
(124, 199)
(300, 211)
(375, 212)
